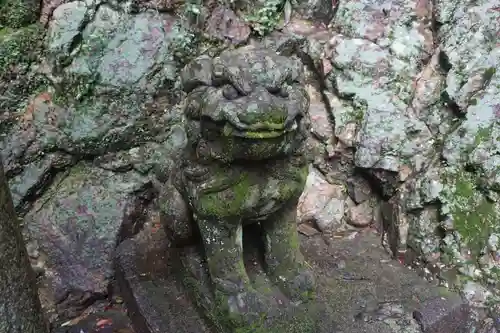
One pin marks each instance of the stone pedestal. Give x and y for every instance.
(281, 316)
(359, 290)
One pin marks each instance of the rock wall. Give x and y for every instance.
(414, 92)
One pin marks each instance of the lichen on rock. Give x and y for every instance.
(18, 79)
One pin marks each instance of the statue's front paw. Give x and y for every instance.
(247, 305)
(299, 284)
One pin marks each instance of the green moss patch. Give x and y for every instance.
(18, 13)
(474, 217)
(19, 47)
(301, 320)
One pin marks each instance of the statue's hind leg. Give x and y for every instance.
(285, 263)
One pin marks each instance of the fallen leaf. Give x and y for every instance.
(67, 323)
(327, 66)
(103, 322)
(43, 97)
(155, 228)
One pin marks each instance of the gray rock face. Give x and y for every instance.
(119, 50)
(103, 98)
(463, 181)
(77, 224)
(422, 100)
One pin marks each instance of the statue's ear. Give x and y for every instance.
(297, 72)
(197, 73)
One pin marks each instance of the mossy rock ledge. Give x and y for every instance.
(359, 290)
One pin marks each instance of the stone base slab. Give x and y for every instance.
(360, 289)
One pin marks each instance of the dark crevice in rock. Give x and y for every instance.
(144, 199)
(451, 105)
(336, 6)
(441, 232)
(335, 89)
(469, 167)
(34, 193)
(383, 182)
(444, 62)
(446, 66)
(76, 41)
(435, 24)
(79, 300)
(65, 60)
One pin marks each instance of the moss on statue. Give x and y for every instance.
(229, 202)
(303, 319)
(253, 174)
(289, 189)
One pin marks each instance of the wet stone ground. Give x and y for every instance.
(360, 289)
(405, 103)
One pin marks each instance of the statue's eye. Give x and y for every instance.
(279, 91)
(284, 92)
(229, 92)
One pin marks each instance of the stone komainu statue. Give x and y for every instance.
(246, 123)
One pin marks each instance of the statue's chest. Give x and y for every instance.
(246, 192)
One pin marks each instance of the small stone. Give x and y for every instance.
(225, 25)
(404, 172)
(493, 242)
(361, 215)
(307, 230)
(444, 315)
(347, 134)
(476, 294)
(322, 202)
(358, 189)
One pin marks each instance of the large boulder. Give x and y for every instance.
(74, 228)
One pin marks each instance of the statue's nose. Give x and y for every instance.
(262, 107)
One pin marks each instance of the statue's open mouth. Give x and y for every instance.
(259, 131)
